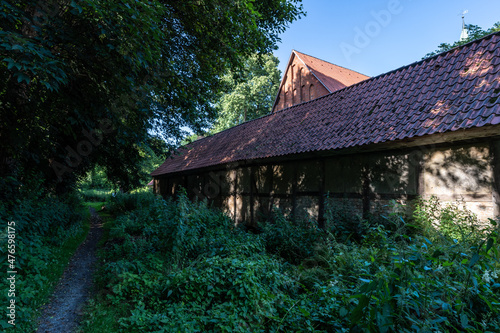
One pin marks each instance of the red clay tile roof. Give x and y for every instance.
(332, 76)
(459, 89)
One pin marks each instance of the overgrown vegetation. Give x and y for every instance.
(45, 231)
(94, 186)
(108, 88)
(178, 266)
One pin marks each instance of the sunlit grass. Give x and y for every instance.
(95, 195)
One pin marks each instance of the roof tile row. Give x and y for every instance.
(456, 90)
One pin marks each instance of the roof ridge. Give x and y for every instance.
(430, 58)
(348, 87)
(404, 103)
(352, 70)
(313, 71)
(372, 78)
(383, 74)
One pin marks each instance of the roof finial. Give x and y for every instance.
(464, 35)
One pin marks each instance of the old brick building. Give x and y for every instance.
(429, 128)
(308, 78)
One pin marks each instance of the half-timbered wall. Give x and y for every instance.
(304, 188)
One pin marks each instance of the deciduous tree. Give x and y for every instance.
(474, 32)
(141, 68)
(250, 92)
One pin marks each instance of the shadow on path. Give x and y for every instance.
(62, 313)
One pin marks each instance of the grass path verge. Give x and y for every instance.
(62, 313)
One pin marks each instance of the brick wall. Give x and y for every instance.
(299, 86)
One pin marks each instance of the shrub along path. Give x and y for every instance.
(62, 313)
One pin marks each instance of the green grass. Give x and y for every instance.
(97, 205)
(98, 316)
(54, 271)
(95, 195)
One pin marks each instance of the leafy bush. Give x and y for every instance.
(164, 255)
(43, 224)
(215, 294)
(344, 221)
(451, 219)
(120, 203)
(180, 266)
(426, 285)
(293, 241)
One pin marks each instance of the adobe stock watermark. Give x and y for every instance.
(364, 36)
(11, 273)
(83, 148)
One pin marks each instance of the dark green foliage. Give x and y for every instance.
(347, 224)
(214, 294)
(124, 71)
(120, 203)
(344, 222)
(173, 266)
(293, 241)
(44, 226)
(183, 265)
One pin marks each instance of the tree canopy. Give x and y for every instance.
(249, 93)
(88, 82)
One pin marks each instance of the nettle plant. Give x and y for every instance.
(452, 219)
(444, 278)
(182, 266)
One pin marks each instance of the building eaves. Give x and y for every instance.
(453, 91)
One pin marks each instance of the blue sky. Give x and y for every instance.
(377, 36)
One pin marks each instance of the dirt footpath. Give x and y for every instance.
(62, 313)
